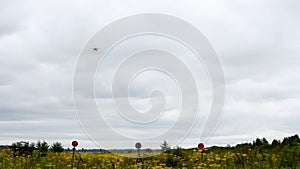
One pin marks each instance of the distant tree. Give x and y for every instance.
(32, 146)
(265, 141)
(148, 150)
(258, 142)
(164, 146)
(244, 146)
(22, 148)
(57, 147)
(291, 141)
(275, 143)
(296, 138)
(42, 147)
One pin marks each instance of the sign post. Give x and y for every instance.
(201, 146)
(74, 144)
(138, 147)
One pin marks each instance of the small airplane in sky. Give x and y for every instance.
(95, 49)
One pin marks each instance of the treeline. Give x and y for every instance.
(23, 148)
(276, 154)
(260, 145)
(263, 143)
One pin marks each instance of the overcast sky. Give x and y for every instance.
(258, 44)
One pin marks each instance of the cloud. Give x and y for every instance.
(257, 42)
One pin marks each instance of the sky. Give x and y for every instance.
(257, 42)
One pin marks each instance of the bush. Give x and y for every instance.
(57, 147)
(22, 148)
(42, 147)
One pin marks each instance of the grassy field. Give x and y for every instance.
(254, 155)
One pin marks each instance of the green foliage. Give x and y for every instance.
(42, 147)
(22, 148)
(179, 152)
(291, 141)
(57, 147)
(172, 162)
(26, 149)
(260, 154)
(275, 143)
(164, 146)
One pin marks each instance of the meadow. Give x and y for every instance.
(259, 154)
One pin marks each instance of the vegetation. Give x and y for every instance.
(42, 147)
(26, 149)
(165, 146)
(57, 147)
(258, 154)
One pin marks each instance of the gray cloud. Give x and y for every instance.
(257, 42)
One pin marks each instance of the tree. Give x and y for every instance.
(57, 147)
(22, 148)
(258, 142)
(265, 141)
(275, 143)
(291, 141)
(42, 147)
(165, 146)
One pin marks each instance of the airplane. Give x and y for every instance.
(95, 49)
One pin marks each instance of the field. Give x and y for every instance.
(258, 154)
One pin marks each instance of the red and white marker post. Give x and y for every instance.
(138, 146)
(74, 144)
(201, 146)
